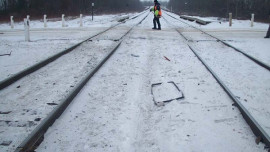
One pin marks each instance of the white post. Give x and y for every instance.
(63, 20)
(230, 19)
(45, 20)
(11, 22)
(81, 23)
(26, 30)
(252, 20)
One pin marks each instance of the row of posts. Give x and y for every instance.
(81, 23)
(27, 24)
(251, 23)
(45, 21)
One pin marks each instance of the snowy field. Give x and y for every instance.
(115, 110)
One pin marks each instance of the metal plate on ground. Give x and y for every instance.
(165, 92)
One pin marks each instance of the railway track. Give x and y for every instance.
(258, 130)
(115, 110)
(109, 42)
(257, 61)
(10, 80)
(37, 100)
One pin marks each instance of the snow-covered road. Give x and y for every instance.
(115, 110)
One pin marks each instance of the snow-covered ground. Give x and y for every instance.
(115, 111)
(30, 99)
(247, 80)
(241, 35)
(70, 22)
(45, 42)
(221, 23)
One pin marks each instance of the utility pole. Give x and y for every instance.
(93, 4)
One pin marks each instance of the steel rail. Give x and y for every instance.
(37, 135)
(8, 81)
(261, 63)
(254, 125)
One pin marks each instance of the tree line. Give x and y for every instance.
(68, 7)
(220, 8)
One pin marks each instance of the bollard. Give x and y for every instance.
(252, 20)
(81, 23)
(45, 20)
(63, 20)
(230, 19)
(26, 29)
(11, 22)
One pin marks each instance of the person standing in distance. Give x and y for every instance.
(157, 14)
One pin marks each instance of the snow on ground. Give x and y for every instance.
(30, 99)
(241, 35)
(115, 110)
(45, 42)
(36, 95)
(43, 45)
(252, 43)
(217, 23)
(246, 79)
(99, 21)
